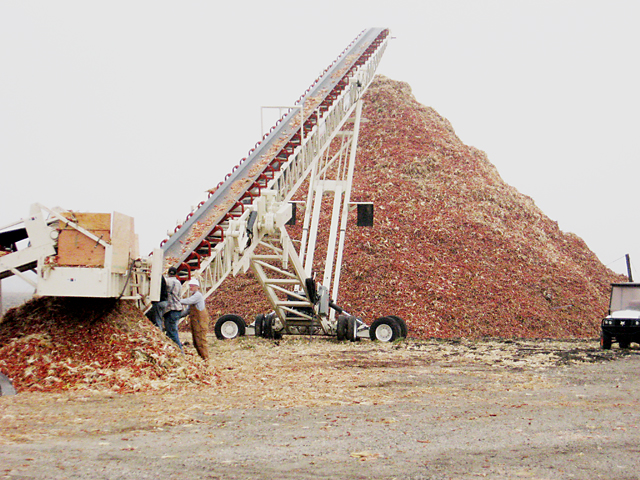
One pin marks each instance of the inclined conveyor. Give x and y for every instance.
(205, 227)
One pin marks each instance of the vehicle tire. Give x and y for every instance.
(229, 326)
(624, 342)
(384, 329)
(267, 327)
(404, 331)
(352, 328)
(605, 341)
(341, 328)
(259, 324)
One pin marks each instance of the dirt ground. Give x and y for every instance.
(304, 408)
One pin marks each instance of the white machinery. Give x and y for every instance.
(241, 225)
(77, 255)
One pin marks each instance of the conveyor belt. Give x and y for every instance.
(205, 227)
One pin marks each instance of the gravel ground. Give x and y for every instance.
(299, 409)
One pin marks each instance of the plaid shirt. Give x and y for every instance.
(174, 289)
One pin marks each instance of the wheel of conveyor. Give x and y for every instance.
(229, 326)
(352, 328)
(384, 329)
(267, 327)
(341, 328)
(259, 325)
(404, 331)
(274, 334)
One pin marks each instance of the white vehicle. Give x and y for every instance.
(623, 322)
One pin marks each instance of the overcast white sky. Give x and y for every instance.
(141, 106)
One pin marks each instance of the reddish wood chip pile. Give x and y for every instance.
(54, 344)
(454, 250)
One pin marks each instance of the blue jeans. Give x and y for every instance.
(155, 313)
(171, 319)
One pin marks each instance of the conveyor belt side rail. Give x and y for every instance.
(228, 247)
(271, 158)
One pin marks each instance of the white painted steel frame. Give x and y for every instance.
(231, 254)
(347, 68)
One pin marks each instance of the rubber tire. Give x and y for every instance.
(352, 329)
(341, 328)
(605, 341)
(624, 342)
(259, 324)
(404, 331)
(267, 327)
(390, 330)
(269, 332)
(230, 317)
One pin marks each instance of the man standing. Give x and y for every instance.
(199, 318)
(174, 307)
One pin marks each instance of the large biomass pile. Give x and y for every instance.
(454, 250)
(55, 344)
